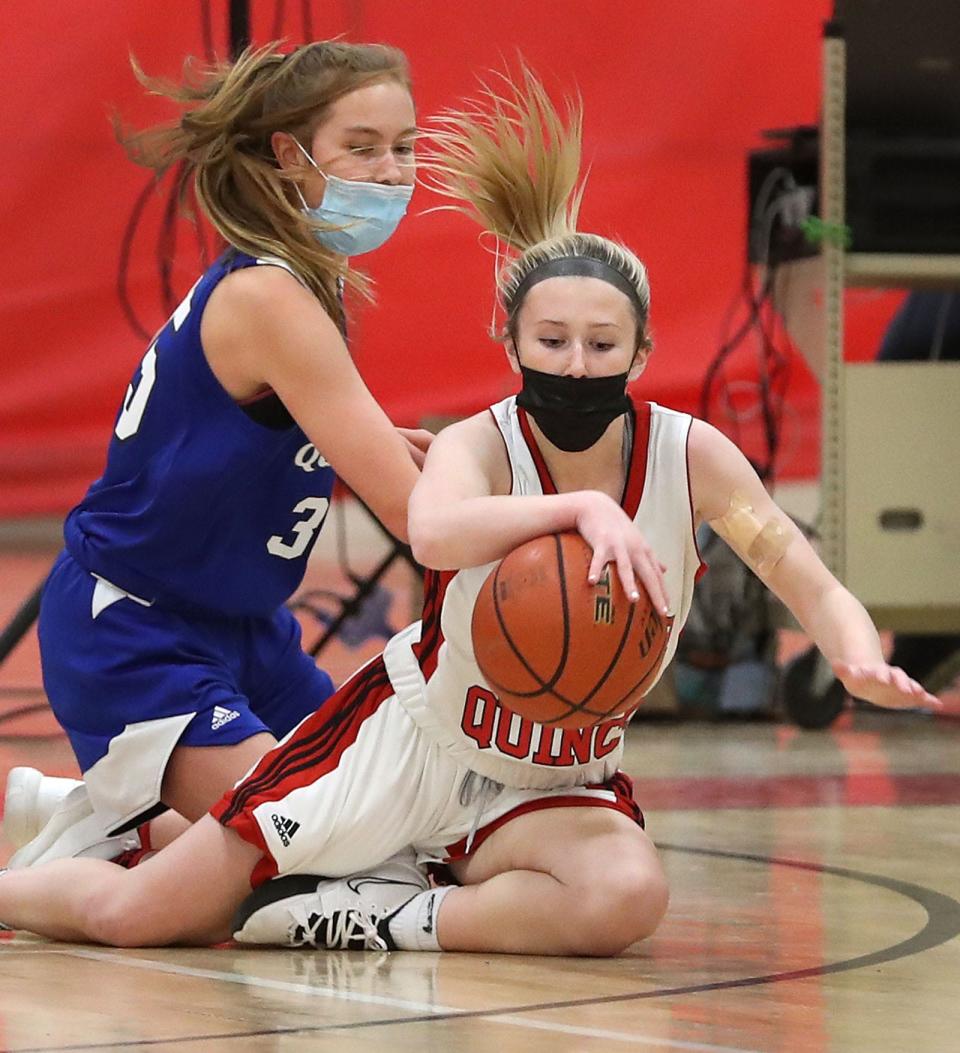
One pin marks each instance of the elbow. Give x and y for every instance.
(426, 542)
(427, 556)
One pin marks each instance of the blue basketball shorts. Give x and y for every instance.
(129, 682)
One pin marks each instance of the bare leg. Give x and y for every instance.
(166, 828)
(557, 881)
(197, 777)
(186, 894)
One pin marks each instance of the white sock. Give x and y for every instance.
(414, 926)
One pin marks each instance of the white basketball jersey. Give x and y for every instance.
(432, 665)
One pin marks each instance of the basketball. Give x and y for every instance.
(558, 650)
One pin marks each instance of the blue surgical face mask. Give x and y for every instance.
(368, 212)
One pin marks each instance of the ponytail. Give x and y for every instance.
(511, 161)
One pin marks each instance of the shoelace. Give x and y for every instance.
(346, 930)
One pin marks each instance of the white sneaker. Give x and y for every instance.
(302, 910)
(30, 799)
(73, 831)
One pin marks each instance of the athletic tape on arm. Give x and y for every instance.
(763, 544)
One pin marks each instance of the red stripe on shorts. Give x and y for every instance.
(621, 785)
(315, 747)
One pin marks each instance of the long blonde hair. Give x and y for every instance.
(222, 142)
(512, 162)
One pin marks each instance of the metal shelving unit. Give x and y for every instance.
(890, 486)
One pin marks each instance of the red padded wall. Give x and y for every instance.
(674, 94)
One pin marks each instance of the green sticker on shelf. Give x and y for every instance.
(816, 232)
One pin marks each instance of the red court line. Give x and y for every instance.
(797, 791)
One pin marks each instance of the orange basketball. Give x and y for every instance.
(558, 650)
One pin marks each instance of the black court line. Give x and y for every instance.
(943, 924)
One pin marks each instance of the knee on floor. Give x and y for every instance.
(117, 920)
(617, 908)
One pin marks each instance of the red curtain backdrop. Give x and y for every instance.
(674, 96)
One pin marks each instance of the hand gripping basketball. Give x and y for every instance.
(558, 650)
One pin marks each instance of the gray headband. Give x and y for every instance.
(578, 267)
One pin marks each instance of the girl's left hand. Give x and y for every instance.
(884, 685)
(418, 442)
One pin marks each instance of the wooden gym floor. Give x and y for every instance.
(815, 907)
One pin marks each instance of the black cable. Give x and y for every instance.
(27, 736)
(167, 239)
(22, 711)
(761, 320)
(778, 369)
(31, 736)
(199, 230)
(774, 366)
(206, 30)
(339, 513)
(123, 268)
(19, 625)
(239, 26)
(768, 368)
(307, 600)
(729, 347)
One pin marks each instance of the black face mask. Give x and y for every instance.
(573, 412)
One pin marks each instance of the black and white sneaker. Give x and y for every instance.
(302, 910)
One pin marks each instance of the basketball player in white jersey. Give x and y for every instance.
(537, 827)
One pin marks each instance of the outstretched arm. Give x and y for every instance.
(728, 494)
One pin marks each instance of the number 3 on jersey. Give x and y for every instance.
(304, 531)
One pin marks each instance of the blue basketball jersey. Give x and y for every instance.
(200, 505)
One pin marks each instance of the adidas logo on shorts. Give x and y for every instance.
(222, 716)
(286, 828)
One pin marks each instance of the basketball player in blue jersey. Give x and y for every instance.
(537, 825)
(168, 655)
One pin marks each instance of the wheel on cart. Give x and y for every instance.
(812, 696)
